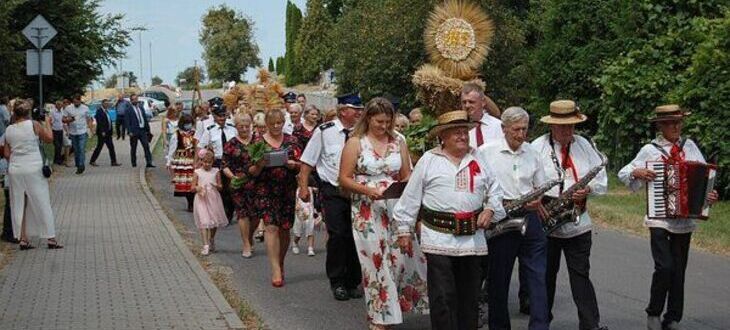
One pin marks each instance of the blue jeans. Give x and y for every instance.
(79, 144)
(532, 251)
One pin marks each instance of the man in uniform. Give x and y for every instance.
(518, 170)
(323, 152)
(215, 136)
(289, 99)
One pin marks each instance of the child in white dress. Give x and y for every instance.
(304, 223)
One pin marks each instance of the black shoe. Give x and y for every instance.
(354, 293)
(116, 164)
(340, 293)
(12, 240)
(151, 165)
(93, 164)
(79, 171)
(134, 165)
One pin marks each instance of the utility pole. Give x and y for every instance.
(150, 63)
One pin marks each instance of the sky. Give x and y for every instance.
(173, 27)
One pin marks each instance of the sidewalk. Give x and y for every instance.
(123, 266)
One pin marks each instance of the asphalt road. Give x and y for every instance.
(621, 272)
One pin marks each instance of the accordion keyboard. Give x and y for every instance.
(656, 192)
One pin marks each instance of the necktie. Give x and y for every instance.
(568, 161)
(347, 134)
(139, 116)
(223, 135)
(480, 135)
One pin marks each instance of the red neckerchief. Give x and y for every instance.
(676, 154)
(568, 161)
(473, 171)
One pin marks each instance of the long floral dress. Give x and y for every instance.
(275, 188)
(394, 281)
(235, 158)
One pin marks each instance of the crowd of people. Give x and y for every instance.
(431, 245)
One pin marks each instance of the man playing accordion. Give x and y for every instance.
(670, 237)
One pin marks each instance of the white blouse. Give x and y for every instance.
(650, 153)
(439, 185)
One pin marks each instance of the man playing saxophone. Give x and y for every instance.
(562, 151)
(518, 170)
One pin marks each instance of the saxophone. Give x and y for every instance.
(562, 210)
(515, 207)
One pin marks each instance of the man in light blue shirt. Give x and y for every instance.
(77, 117)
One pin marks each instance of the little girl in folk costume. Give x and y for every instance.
(208, 208)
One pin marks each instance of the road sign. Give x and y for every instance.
(32, 62)
(39, 32)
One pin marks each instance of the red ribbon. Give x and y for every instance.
(473, 171)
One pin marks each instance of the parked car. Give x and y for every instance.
(156, 106)
(187, 106)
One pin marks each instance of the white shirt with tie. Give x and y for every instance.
(212, 136)
(139, 113)
(491, 130)
(324, 150)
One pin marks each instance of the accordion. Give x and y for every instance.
(680, 190)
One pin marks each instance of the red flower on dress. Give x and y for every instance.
(382, 245)
(384, 220)
(405, 305)
(378, 260)
(365, 210)
(383, 295)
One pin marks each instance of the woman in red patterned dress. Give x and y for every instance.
(181, 159)
(274, 193)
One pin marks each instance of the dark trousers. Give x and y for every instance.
(7, 233)
(121, 129)
(523, 294)
(226, 191)
(670, 252)
(343, 267)
(58, 147)
(142, 138)
(532, 251)
(101, 140)
(577, 256)
(453, 291)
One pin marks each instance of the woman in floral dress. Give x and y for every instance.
(394, 280)
(235, 158)
(275, 193)
(303, 131)
(181, 159)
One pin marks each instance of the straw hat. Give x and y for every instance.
(451, 119)
(564, 112)
(669, 112)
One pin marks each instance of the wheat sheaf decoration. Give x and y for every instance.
(457, 38)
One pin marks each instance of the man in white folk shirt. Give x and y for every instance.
(215, 136)
(518, 170)
(670, 237)
(323, 152)
(447, 192)
(562, 151)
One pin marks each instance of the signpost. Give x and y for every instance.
(39, 32)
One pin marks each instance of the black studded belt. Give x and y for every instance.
(458, 224)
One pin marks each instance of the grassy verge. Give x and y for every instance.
(620, 209)
(221, 275)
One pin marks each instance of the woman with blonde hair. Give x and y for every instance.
(274, 191)
(375, 157)
(169, 125)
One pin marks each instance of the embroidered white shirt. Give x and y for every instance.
(650, 153)
(584, 158)
(440, 185)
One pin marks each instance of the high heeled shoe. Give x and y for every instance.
(25, 245)
(277, 283)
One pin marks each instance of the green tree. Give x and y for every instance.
(661, 39)
(228, 44)
(293, 24)
(378, 46)
(271, 65)
(86, 42)
(186, 78)
(313, 47)
(280, 65)
(111, 81)
(156, 81)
